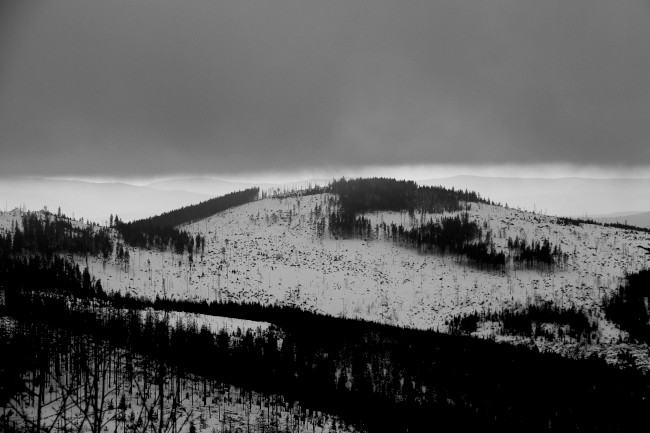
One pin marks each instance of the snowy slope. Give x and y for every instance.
(268, 251)
(254, 252)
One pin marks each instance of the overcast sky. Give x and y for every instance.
(165, 87)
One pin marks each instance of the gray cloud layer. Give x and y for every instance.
(137, 87)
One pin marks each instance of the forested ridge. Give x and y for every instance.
(365, 194)
(580, 221)
(47, 234)
(447, 234)
(160, 231)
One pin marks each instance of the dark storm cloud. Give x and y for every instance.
(169, 86)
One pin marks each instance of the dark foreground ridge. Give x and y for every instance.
(376, 376)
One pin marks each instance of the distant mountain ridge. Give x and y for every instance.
(560, 196)
(577, 197)
(641, 219)
(200, 185)
(215, 187)
(94, 201)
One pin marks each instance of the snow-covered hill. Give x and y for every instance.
(269, 251)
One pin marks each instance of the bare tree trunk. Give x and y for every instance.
(39, 405)
(161, 394)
